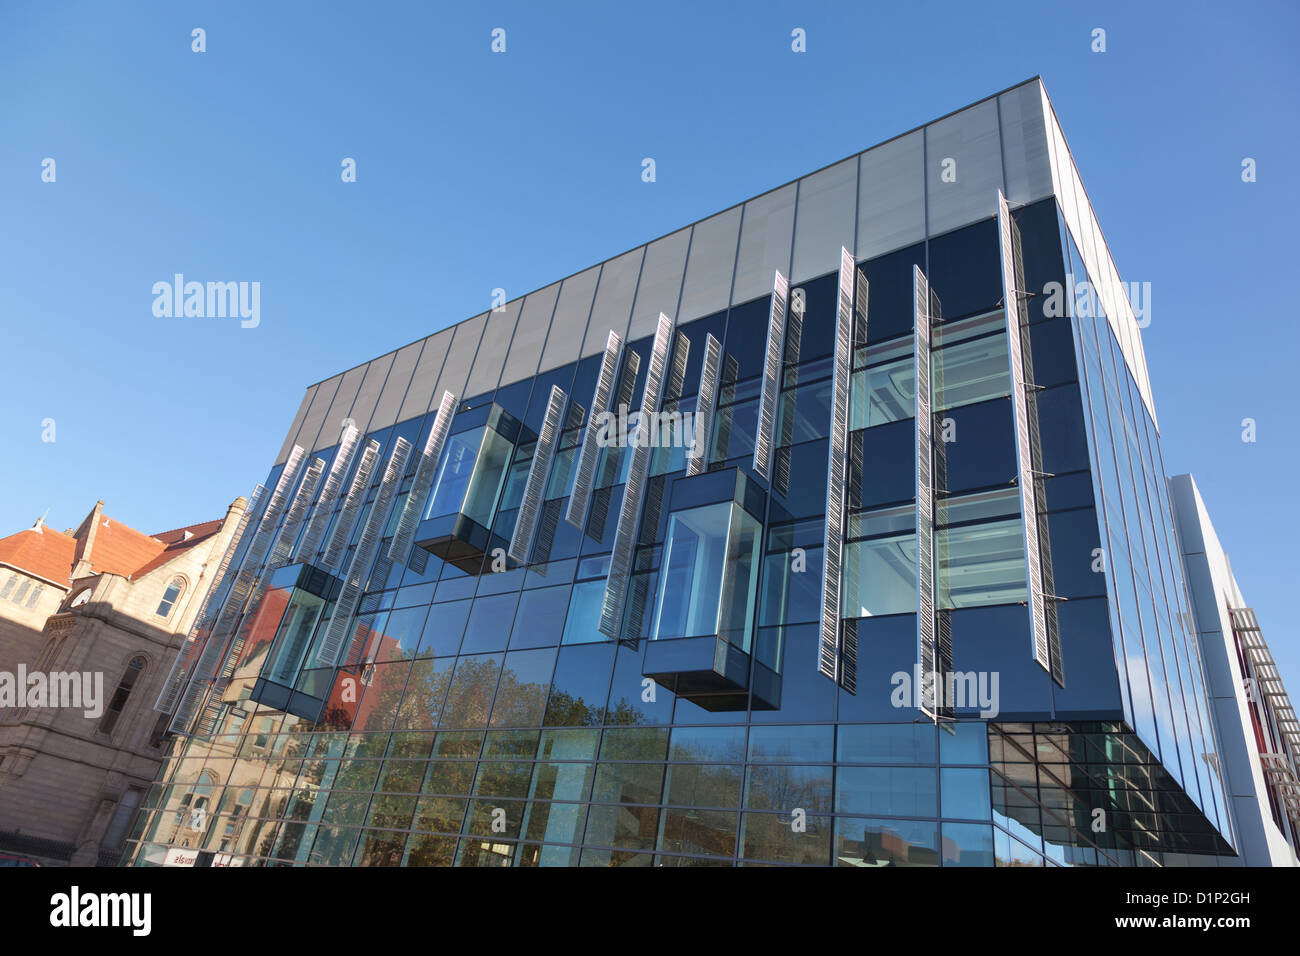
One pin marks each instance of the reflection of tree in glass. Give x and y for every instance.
(788, 788)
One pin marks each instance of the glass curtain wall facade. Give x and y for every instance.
(466, 626)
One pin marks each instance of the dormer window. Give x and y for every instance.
(171, 596)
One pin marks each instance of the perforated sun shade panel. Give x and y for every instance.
(828, 660)
(927, 655)
(354, 581)
(232, 607)
(400, 547)
(580, 499)
(343, 458)
(278, 556)
(706, 404)
(611, 613)
(1024, 447)
(202, 626)
(341, 533)
(539, 471)
(302, 500)
(771, 389)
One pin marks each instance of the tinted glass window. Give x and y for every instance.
(966, 270)
(1040, 240)
(887, 462)
(747, 335)
(488, 629)
(994, 644)
(806, 696)
(1060, 423)
(890, 307)
(579, 687)
(982, 452)
(540, 618)
(883, 393)
(1078, 569)
(821, 298)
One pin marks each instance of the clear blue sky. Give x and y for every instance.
(478, 170)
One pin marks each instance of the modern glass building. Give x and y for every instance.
(884, 573)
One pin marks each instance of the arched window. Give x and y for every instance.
(171, 596)
(123, 693)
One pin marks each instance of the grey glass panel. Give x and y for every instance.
(891, 196)
(887, 743)
(614, 294)
(862, 841)
(883, 394)
(888, 791)
(825, 219)
(530, 335)
(492, 349)
(973, 371)
(298, 419)
(420, 393)
(766, 235)
(981, 564)
(394, 393)
(564, 342)
(368, 395)
(661, 283)
(880, 577)
(712, 261)
(460, 356)
(1024, 144)
(970, 140)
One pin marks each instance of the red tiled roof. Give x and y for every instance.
(117, 549)
(176, 542)
(44, 553)
(120, 549)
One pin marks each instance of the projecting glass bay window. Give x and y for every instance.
(710, 575)
(470, 477)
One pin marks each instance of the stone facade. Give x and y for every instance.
(71, 776)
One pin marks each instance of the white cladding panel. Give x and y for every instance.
(891, 196)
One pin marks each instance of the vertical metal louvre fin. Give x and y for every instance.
(214, 649)
(771, 377)
(726, 409)
(400, 547)
(698, 459)
(539, 471)
(585, 474)
(297, 512)
(276, 556)
(931, 680)
(355, 579)
(189, 651)
(1024, 455)
(349, 439)
(848, 629)
(341, 534)
(613, 456)
(611, 613)
(828, 662)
